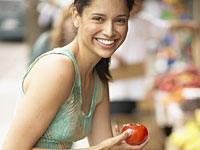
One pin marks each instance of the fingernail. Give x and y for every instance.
(129, 131)
(125, 125)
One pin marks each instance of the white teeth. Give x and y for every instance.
(107, 42)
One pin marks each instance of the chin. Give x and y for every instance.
(108, 56)
(107, 53)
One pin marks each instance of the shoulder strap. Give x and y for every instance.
(67, 52)
(62, 51)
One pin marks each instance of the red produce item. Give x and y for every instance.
(139, 135)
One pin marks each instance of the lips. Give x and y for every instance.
(105, 43)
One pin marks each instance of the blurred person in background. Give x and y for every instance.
(60, 29)
(49, 11)
(65, 94)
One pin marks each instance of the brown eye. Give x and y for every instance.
(99, 19)
(121, 21)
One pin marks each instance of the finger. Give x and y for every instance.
(125, 134)
(106, 144)
(121, 137)
(117, 139)
(138, 147)
(117, 130)
(125, 125)
(145, 143)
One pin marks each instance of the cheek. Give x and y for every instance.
(91, 29)
(123, 32)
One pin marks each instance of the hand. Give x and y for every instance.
(111, 142)
(124, 146)
(118, 142)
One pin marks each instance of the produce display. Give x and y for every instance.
(174, 83)
(139, 135)
(187, 137)
(175, 73)
(176, 91)
(176, 86)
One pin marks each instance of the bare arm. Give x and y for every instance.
(101, 137)
(46, 90)
(101, 124)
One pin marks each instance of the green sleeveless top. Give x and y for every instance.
(70, 124)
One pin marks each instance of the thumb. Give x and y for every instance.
(106, 144)
(122, 136)
(126, 134)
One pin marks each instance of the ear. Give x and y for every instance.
(75, 17)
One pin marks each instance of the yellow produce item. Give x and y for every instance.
(194, 145)
(197, 116)
(186, 135)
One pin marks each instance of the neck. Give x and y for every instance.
(86, 60)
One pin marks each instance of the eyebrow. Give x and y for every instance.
(122, 16)
(98, 14)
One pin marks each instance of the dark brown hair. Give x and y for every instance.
(102, 67)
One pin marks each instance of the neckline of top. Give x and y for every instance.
(94, 87)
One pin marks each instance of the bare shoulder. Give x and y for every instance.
(53, 74)
(56, 62)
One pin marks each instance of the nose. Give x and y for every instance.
(108, 29)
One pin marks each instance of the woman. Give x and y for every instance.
(65, 91)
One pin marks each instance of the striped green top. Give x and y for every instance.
(70, 124)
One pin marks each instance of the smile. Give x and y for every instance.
(106, 42)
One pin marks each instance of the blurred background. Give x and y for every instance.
(158, 85)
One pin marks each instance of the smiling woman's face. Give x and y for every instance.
(103, 26)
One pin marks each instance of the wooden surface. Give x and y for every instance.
(156, 134)
(128, 71)
(196, 42)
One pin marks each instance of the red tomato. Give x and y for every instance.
(139, 135)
